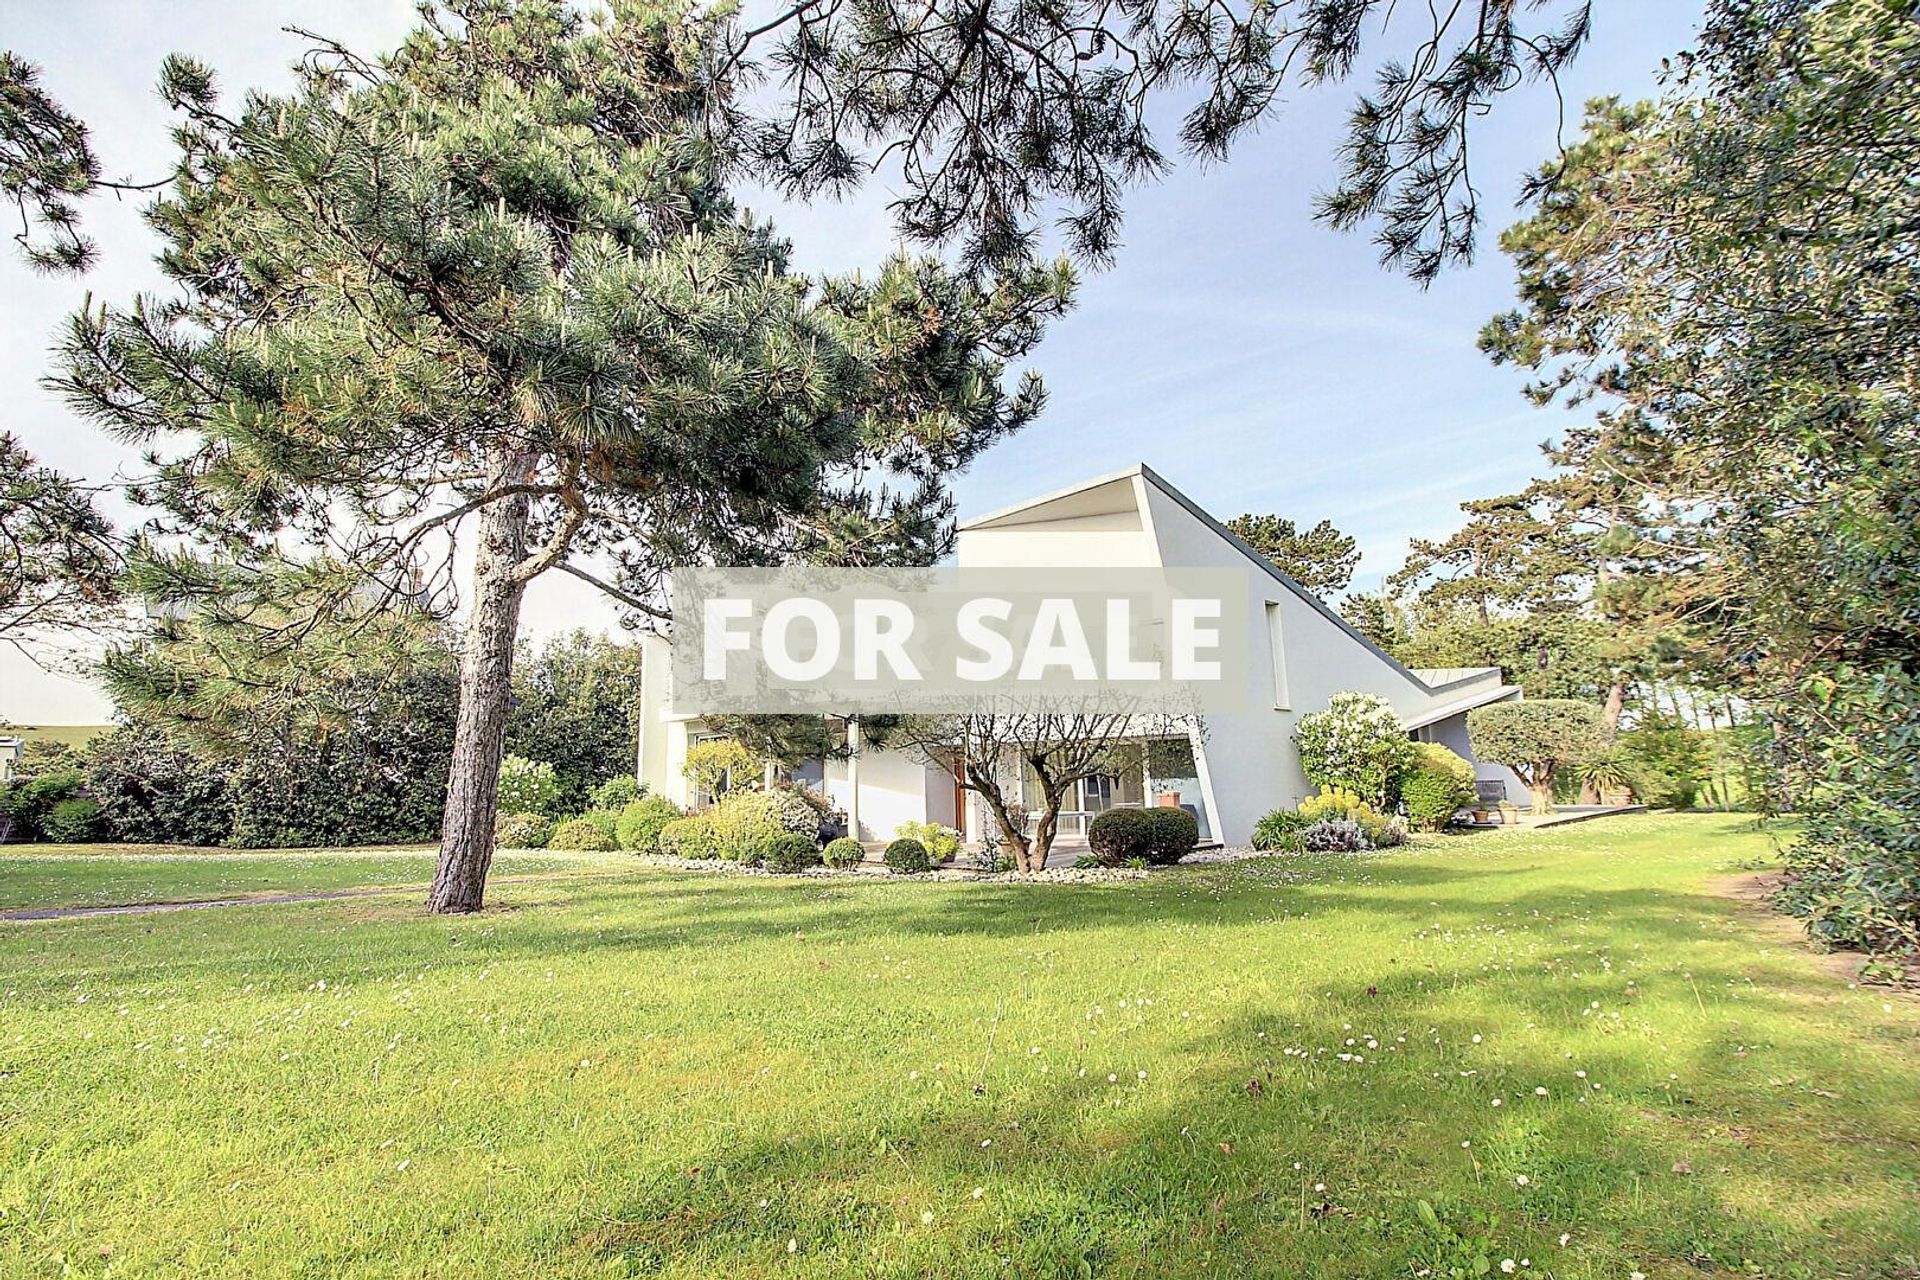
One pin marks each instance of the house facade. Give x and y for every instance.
(1233, 768)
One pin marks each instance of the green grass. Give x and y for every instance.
(35, 876)
(691, 1076)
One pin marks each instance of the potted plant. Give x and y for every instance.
(1509, 813)
(1169, 798)
(1480, 815)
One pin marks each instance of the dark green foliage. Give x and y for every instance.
(789, 853)
(1171, 833)
(843, 852)
(1280, 830)
(574, 706)
(642, 821)
(46, 162)
(30, 802)
(1321, 559)
(907, 857)
(1120, 834)
(153, 789)
(523, 831)
(1439, 785)
(1536, 738)
(74, 820)
(1855, 873)
(580, 834)
(58, 560)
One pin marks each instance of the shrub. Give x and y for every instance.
(908, 857)
(1119, 834)
(582, 835)
(1171, 833)
(1389, 833)
(1358, 743)
(843, 853)
(1536, 737)
(1439, 785)
(152, 790)
(689, 838)
(745, 822)
(608, 821)
(30, 802)
(788, 852)
(617, 792)
(528, 786)
(1666, 761)
(74, 820)
(522, 830)
(1334, 835)
(941, 842)
(798, 810)
(1280, 830)
(641, 822)
(1332, 802)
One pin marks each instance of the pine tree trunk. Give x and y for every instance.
(1615, 704)
(486, 694)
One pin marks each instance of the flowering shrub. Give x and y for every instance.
(580, 834)
(641, 822)
(843, 853)
(908, 857)
(1335, 804)
(1439, 785)
(528, 786)
(522, 830)
(1334, 835)
(1358, 743)
(689, 838)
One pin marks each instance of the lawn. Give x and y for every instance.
(1576, 1056)
(34, 876)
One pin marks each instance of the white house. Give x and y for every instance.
(1237, 766)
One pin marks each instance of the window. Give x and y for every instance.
(1276, 646)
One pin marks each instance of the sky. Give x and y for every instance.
(1255, 358)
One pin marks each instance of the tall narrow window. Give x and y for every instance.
(1276, 647)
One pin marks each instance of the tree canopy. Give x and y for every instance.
(1321, 559)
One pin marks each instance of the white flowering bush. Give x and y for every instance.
(528, 786)
(1357, 744)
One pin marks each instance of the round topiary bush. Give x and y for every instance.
(689, 838)
(843, 853)
(1280, 830)
(641, 822)
(745, 821)
(1439, 785)
(1122, 834)
(1171, 835)
(908, 857)
(609, 823)
(582, 835)
(522, 831)
(789, 853)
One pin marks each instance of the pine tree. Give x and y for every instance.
(490, 291)
(1321, 559)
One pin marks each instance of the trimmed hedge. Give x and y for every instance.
(790, 852)
(1119, 835)
(908, 857)
(843, 853)
(1171, 835)
(1439, 785)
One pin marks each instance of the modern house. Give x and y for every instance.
(1233, 769)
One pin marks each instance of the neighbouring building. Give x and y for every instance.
(1235, 768)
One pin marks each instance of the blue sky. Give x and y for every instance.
(1258, 360)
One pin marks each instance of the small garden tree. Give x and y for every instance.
(718, 762)
(1536, 738)
(1357, 743)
